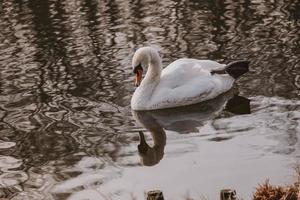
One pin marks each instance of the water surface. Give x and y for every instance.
(67, 130)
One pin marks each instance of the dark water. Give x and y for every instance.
(67, 130)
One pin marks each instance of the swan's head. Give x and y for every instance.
(141, 60)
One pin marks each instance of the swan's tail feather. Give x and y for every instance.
(237, 68)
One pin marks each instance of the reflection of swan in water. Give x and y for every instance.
(150, 155)
(183, 120)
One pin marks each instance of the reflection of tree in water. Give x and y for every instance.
(56, 69)
(66, 71)
(38, 148)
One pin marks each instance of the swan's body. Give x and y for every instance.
(183, 82)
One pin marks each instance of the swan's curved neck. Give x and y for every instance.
(159, 136)
(154, 70)
(144, 92)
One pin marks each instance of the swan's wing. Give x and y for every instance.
(187, 63)
(183, 71)
(189, 81)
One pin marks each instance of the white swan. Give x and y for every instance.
(183, 82)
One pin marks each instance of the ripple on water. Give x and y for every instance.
(9, 162)
(11, 178)
(6, 145)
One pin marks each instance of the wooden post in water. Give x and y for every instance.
(298, 192)
(155, 195)
(225, 194)
(228, 194)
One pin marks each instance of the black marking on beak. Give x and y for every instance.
(136, 68)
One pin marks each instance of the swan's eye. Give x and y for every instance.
(137, 68)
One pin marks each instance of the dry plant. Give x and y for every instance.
(267, 191)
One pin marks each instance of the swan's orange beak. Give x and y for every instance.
(138, 77)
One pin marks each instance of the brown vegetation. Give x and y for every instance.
(267, 191)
